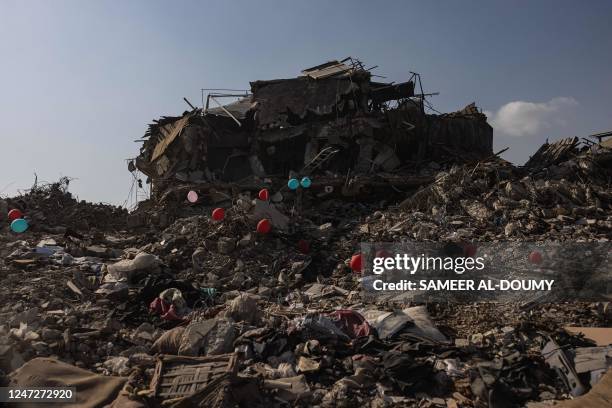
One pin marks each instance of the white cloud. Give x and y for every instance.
(520, 118)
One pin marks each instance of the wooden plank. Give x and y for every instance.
(169, 136)
(178, 376)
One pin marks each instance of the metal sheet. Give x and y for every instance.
(238, 108)
(326, 70)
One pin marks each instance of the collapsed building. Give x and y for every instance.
(333, 119)
(206, 313)
(195, 311)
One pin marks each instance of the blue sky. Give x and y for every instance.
(80, 80)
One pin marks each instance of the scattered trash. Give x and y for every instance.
(201, 313)
(129, 269)
(170, 305)
(599, 396)
(557, 359)
(351, 323)
(118, 366)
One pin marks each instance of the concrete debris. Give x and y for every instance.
(166, 306)
(127, 269)
(263, 209)
(353, 133)
(243, 308)
(599, 396)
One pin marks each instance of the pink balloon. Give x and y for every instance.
(192, 196)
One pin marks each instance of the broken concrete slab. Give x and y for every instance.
(264, 209)
(126, 269)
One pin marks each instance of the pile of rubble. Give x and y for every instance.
(334, 120)
(51, 204)
(279, 319)
(492, 200)
(167, 306)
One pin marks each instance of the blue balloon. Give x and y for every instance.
(306, 182)
(19, 225)
(293, 184)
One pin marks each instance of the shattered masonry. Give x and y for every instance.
(332, 119)
(165, 306)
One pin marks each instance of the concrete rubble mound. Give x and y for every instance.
(167, 306)
(51, 204)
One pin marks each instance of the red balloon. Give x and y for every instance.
(469, 250)
(264, 194)
(535, 257)
(264, 226)
(14, 214)
(218, 214)
(303, 246)
(381, 253)
(356, 263)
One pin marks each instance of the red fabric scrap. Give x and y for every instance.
(164, 309)
(351, 323)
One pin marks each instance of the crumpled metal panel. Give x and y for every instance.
(239, 108)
